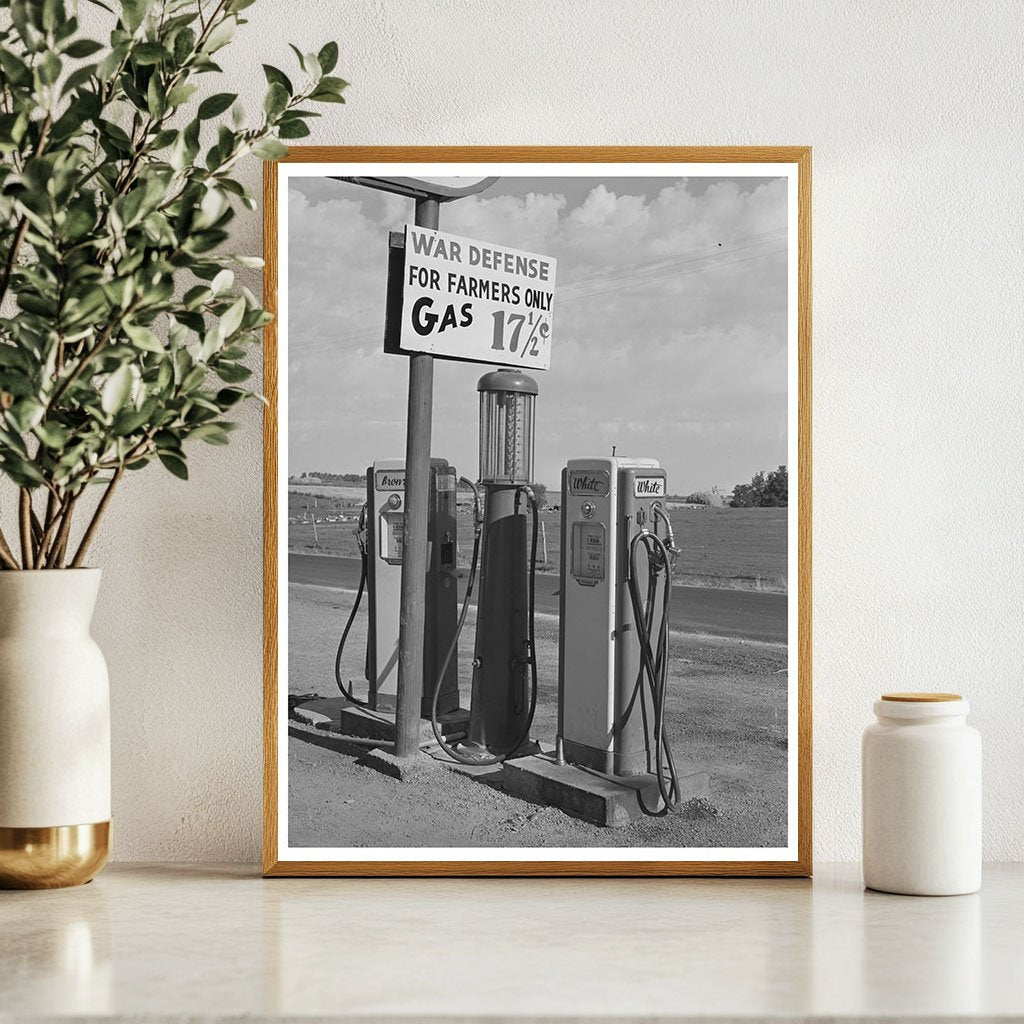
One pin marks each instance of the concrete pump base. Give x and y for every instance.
(335, 714)
(613, 801)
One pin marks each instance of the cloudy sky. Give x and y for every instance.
(669, 331)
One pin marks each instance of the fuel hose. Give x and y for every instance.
(652, 677)
(361, 540)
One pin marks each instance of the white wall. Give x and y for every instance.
(914, 113)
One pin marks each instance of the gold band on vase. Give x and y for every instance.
(52, 857)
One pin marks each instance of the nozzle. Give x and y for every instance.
(360, 530)
(670, 544)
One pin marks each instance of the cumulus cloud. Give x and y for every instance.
(670, 324)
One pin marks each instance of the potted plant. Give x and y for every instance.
(122, 342)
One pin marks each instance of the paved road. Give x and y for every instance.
(732, 613)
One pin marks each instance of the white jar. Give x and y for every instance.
(921, 778)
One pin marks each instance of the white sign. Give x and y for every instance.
(476, 301)
(649, 487)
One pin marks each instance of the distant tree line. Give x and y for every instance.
(765, 490)
(337, 479)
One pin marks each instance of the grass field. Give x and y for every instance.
(738, 548)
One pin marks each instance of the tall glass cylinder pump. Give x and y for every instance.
(507, 399)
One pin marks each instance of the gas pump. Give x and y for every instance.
(380, 531)
(616, 588)
(504, 688)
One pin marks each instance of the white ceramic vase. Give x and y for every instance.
(54, 731)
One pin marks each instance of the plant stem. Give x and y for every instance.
(25, 523)
(94, 523)
(60, 543)
(6, 554)
(51, 523)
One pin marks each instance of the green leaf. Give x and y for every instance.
(211, 433)
(181, 94)
(227, 397)
(21, 471)
(78, 78)
(83, 48)
(144, 338)
(221, 35)
(25, 18)
(26, 414)
(222, 282)
(156, 100)
(328, 57)
(293, 130)
(128, 421)
(49, 68)
(274, 75)
(184, 44)
(175, 464)
(53, 14)
(133, 12)
(232, 319)
(334, 84)
(16, 70)
(53, 435)
(109, 65)
(116, 390)
(269, 149)
(232, 373)
(216, 104)
(149, 53)
(276, 100)
(326, 96)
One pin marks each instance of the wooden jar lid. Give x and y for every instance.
(921, 698)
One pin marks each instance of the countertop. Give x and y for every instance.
(174, 942)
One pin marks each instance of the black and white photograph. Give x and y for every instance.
(537, 512)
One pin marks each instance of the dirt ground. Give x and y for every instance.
(726, 714)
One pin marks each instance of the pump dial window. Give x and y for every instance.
(588, 556)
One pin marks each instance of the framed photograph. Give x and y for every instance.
(537, 511)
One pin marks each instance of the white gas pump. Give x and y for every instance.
(380, 532)
(615, 594)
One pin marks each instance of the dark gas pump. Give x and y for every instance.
(504, 687)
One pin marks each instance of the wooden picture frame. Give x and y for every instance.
(799, 862)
